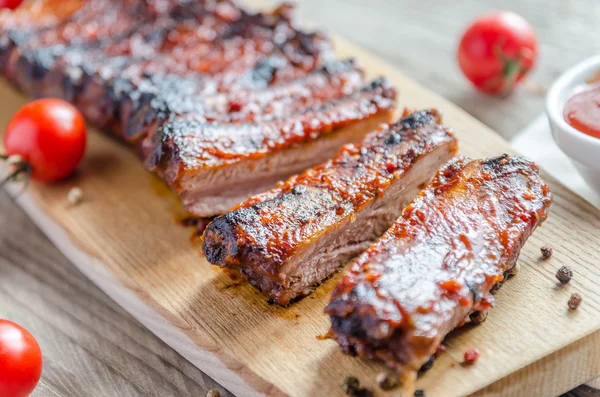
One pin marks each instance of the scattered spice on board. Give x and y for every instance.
(351, 386)
(387, 380)
(564, 274)
(427, 366)
(75, 196)
(546, 252)
(479, 317)
(471, 355)
(213, 393)
(574, 301)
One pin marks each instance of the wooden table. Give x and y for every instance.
(93, 348)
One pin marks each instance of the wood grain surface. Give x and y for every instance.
(93, 348)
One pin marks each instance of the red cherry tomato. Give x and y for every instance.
(20, 360)
(12, 4)
(497, 51)
(49, 135)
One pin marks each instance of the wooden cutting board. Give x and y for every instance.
(124, 237)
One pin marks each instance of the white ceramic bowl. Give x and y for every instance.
(584, 150)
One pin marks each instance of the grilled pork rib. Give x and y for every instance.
(215, 166)
(290, 239)
(439, 261)
(220, 102)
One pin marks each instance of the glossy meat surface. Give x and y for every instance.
(191, 82)
(223, 47)
(186, 147)
(291, 238)
(439, 261)
(175, 100)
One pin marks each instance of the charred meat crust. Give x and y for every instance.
(266, 48)
(129, 29)
(151, 72)
(176, 97)
(439, 261)
(183, 147)
(268, 236)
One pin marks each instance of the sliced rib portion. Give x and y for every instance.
(215, 166)
(290, 239)
(439, 261)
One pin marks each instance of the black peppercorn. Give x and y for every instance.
(564, 274)
(427, 366)
(350, 385)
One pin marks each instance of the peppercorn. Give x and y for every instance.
(564, 274)
(471, 355)
(546, 252)
(478, 317)
(427, 366)
(419, 393)
(387, 380)
(350, 385)
(574, 301)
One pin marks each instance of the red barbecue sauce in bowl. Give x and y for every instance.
(582, 110)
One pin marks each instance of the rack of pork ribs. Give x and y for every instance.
(220, 102)
(223, 103)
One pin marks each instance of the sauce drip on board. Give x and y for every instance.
(582, 111)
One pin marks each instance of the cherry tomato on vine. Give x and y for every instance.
(46, 138)
(497, 50)
(12, 4)
(20, 360)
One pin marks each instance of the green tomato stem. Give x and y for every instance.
(21, 169)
